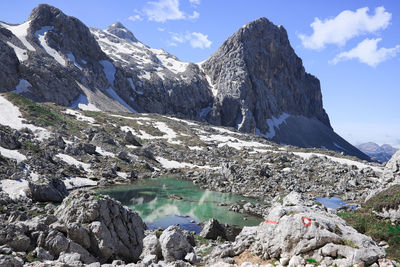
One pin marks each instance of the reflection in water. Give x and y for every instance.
(333, 202)
(167, 201)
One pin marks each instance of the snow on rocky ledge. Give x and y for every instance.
(12, 117)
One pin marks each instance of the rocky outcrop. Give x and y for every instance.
(257, 75)
(53, 190)
(260, 86)
(294, 230)
(102, 226)
(392, 169)
(9, 141)
(213, 229)
(174, 244)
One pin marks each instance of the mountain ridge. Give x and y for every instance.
(63, 61)
(379, 153)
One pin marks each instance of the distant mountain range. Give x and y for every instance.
(254, 82)
(381, 153)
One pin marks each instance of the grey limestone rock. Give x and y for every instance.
(53, 190)
(103, 226)
(9, 141)
(292, 230)
(174, 244)
(213, 229)
(8, 261)
(151, 246)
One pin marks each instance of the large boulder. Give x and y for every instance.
(9, 141)
(151, 246)
(174, 244)
(392, 169)
(53, 190)
(294, 230)
(8, 261)
(103, 226)
(130, 138)
(213, 229)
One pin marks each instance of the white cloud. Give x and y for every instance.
(345, 26)
(163, 10)
(160, 29)
(199, 40)
(195, 39)
(367, 52)
(195, 15)
(135, 17)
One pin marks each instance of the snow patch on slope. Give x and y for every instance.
(22, 87)
(20, 31)
(41, 35)
(83, 103)
(16, 189)
(78, 182)
(172, 164)
(109, 70)
(11, 116)
(349, 162)
(22, 54)
(79, 116)
(12, 154)
(169, 62)
(72, 161)
(114, 95)
(272, 124)
(71, 57)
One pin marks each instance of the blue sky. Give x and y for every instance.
(353, 47)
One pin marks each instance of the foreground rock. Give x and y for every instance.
(174, 244)
(102, 226)
(309, 232)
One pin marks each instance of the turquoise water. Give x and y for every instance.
(168, 201)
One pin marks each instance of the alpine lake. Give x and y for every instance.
(166, 201)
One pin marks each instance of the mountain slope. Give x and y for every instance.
(254, 81)
(381, 153)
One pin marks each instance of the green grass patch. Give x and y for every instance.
(28, 145)
(366, 222)
(200, 240)
(31, 258)
(312, 261)
(35, 111)
(388, 199)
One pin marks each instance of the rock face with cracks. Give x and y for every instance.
(174, 244)
(299, 230)
(103, 226)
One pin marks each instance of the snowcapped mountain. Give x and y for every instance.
(254, 82)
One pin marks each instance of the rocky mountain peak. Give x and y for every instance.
(45, 15)
(121, 31)
(262, 25)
